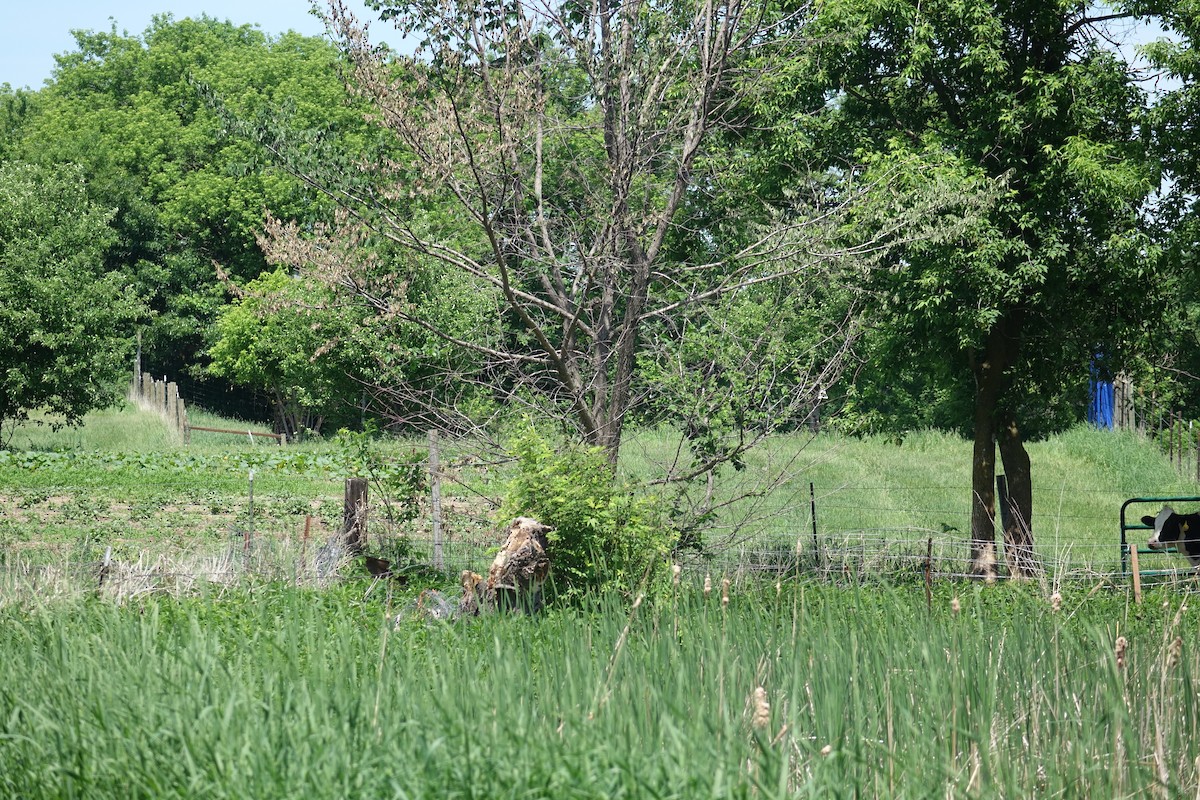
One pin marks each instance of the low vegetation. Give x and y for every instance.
(811, 691)
(229, 681)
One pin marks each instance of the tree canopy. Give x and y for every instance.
(696, 214)
(1005, 320)
(137, 113)
(66, 320)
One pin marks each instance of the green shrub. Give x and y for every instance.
(607, 535)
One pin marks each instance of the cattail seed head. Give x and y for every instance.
(1122, 644)
(707, 585)
(1174, 652)
(761, 717)
(778, 588)
(1056, 602)
(675, 572)
(725, 591)
(827, 749)
(955, 606)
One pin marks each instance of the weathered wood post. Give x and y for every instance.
(812, 498)
(435, 500)
(137, 366)
(354, 515)
(172, 412)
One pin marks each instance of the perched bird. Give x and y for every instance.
(519, 571)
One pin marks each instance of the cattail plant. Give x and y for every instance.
(760, 709)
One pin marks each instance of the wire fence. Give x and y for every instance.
(55, 545)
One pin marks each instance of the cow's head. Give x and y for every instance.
(1169, 528)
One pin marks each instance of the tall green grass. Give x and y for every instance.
(293, 694)
(124, 427)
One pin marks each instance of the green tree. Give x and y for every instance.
(1174, 326)
(286, 339)
(553, 157)
(137, 112)
(66, 321)
(1026, 96)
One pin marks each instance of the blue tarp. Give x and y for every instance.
(1100, 405)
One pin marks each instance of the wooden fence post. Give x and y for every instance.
(435, 489)
(137, 365)
(172, 408)
(354, 515)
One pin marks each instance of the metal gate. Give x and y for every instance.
(1138, 525)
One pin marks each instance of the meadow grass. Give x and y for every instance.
(123, 476)
(887, 496)
(816, 691)
(259, 684)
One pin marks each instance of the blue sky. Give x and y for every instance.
(32, 31)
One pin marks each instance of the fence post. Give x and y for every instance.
(1137, 573)
(137, 365)
(249, 516)
(354, 515)
(435, 489)
(1171, 441)
(172, 407)
(812, 499)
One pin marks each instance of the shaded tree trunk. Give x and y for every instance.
(991, 379)
(1018, 528)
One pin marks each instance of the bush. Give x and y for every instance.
(607, 534)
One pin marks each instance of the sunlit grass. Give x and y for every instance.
(871, 494)
(286, 693)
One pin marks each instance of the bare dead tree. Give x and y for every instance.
(547, 154)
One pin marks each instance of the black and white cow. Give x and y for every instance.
(1181, 531)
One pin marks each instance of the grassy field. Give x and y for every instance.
(124, 481)
(203, 662)
(818, 691)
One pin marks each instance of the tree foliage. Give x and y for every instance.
(556, 158)
(287, 339)
(1174, 330)
(1026, 96)
(65, 320)
(135, 111)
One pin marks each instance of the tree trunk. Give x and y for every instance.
(983, 498)
(1018, 528)
(991, 379)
